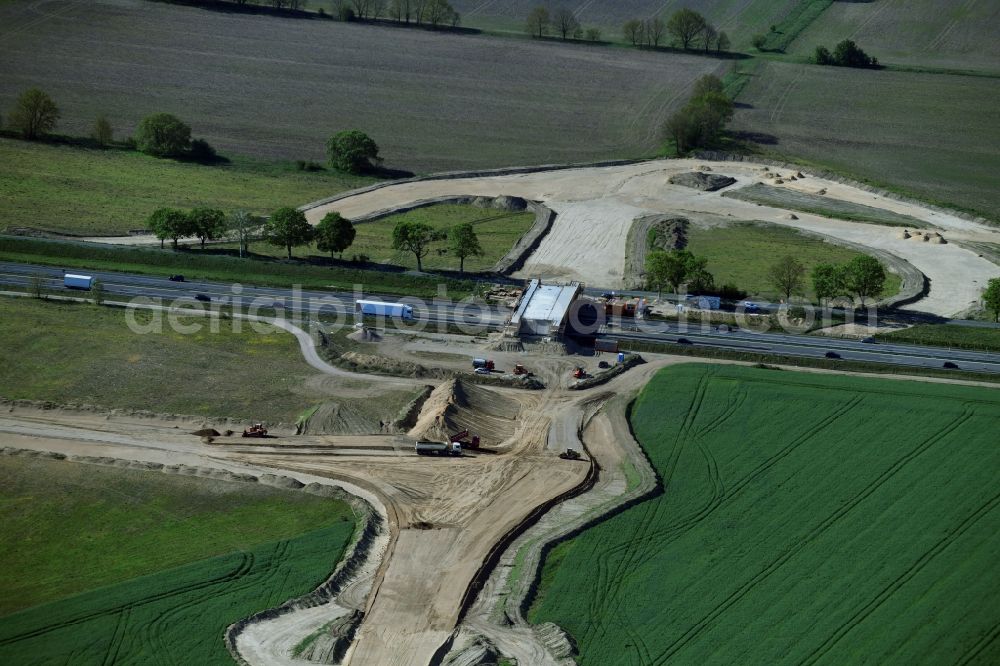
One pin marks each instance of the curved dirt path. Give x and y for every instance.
(597, 205)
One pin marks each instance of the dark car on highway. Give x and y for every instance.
(176, 278)
(831, 354)
(950, 365)
(684, 341)
(202, 297)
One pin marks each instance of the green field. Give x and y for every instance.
(937, 33)
(159, 566)
(246, 374)
(497, 232)
(741, 254)
(947, 335)
(804, 519)
(107, 192)
(919, 134)
(819, 205)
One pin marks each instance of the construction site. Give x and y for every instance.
(464, 456)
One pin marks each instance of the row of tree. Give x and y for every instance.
(288, 228)
(687, 28)
(863, 277)
(432, 13)
(561, 21)
(36, 114)
(700, 122)
(845, 54)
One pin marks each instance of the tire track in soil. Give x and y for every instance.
(603, 575)
(708, 620)
(154, 630)
(901, 580)
(86, 617)
(988, 638)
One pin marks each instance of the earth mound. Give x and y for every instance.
(702, 181)
(455, 406)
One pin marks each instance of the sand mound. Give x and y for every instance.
(509, 203)
(701, 181)
(455, 406)
(365, 335)
(790, 216)
(704, 167)
(206, 432)
(938, 240)
(905, 234)
(334, 418)
(778, 181)
(822, 191)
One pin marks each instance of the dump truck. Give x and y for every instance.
(429, 448)
(578, 373)
(72, 281)
(520, 370)
(486, 363)
(382, 309)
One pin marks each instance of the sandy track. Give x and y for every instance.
(596, 207)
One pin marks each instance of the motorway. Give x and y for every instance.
(311, 303)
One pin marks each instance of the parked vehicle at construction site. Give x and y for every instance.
(570, 454)
(463, 439)
(486, 363)
(579, 373)
(256, 430)
(429, 448)
(521, 370)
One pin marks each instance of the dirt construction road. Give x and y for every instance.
(596, 208)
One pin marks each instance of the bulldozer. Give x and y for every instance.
(256, 430)
(521, 370)
(570, 454)
(579, 373)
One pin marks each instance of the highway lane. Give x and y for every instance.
(311, 302)
(342, 303)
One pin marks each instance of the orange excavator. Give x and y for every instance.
(256, 430)
(463, 439)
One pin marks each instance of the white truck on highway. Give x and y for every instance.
(382, 309)
(428, 448)
(72, 281)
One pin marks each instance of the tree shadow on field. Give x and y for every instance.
(388, 173)
(761, 138)
(232, 8)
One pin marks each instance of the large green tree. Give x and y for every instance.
(169, 223)
(991, 297)
(352, 151)
(864, 276)
(827, 281)
(676, 267)
(685, 25)
(463, 243)
(288, 228)
(208, 224)
(702, 120)
(786, 275)
(415, 237)
(538, 21)
(163, 135)
(34, 114)
(334, 233)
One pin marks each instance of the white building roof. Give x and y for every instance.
(545, 303)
